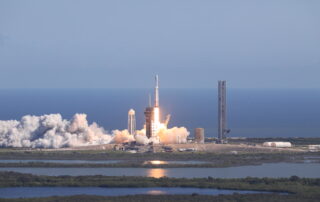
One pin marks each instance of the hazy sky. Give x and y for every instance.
(189, 43)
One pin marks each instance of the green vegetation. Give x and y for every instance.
(300, 189)
(305, 186)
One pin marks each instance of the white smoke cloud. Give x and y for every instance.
(175, 135)
(122, 136)
(52, 131)
(141, 137)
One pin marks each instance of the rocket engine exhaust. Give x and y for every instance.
(156, 130)
(52, 131)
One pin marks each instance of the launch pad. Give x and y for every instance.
(153, 122)
(187, 147)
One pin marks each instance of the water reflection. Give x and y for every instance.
(156, 162)
(156, 192)
(156, 172)
(309, 170)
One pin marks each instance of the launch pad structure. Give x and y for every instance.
(149, 114)
(152, 114)
(222, 112)
(153, 122)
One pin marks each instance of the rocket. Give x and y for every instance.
(156, 92)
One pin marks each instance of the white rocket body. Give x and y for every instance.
(156, 93)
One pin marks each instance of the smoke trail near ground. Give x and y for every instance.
(52, 131)
(141, 138)
(122, 136)
(173, 135)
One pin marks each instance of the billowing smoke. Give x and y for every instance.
(141, 137)
(173, 135)
(52, 131)
(122, 136)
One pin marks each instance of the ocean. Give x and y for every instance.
(251, 112)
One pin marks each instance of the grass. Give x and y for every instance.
(292, 185)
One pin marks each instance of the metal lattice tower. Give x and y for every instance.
(149, 116)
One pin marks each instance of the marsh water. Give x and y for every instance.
(310, 170)
(26, 192)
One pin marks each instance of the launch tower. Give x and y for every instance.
(152, 114)
(149, 117)
(222, 113)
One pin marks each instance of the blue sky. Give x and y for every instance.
(189, 43)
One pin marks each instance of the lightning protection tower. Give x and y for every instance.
(131, 122)
(222, 112)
